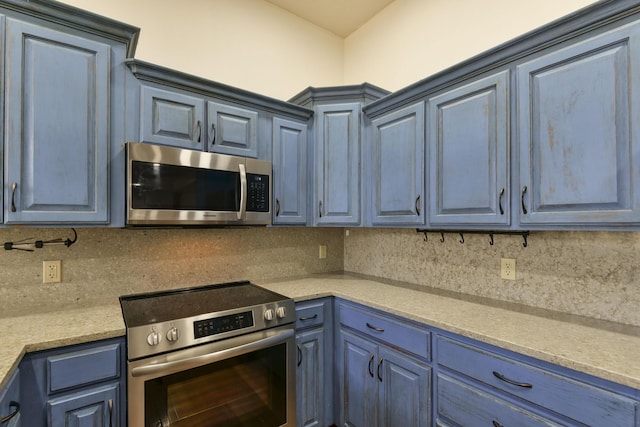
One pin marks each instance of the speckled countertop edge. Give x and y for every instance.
(603, 353)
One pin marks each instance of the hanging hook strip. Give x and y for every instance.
(29, 245)
(524, 234)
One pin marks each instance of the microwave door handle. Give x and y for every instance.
(243, 192)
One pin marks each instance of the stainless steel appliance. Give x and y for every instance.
(216, 355)
(174, 186)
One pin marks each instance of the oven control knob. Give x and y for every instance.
(172, 334)
(154, 338)
(281, 312)
(268, 314)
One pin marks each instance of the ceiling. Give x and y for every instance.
(341, 17)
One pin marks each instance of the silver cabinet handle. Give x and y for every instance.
(500, 201)
(320, 208)
(379, 366)
(370, 326)
(213, 134)
(198, 131)
(501, 377)
(371, 365)
(6, 419)
(496, 424)
(302, 319)
(418, 205)
(299, 356)
(110, 412)
(13, 196)
(277, 207)
(524, 191)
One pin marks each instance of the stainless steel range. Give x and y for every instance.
(217, 355)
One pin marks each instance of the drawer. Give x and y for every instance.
(310, 313)
(465, 405)
(394, 332)
(574, 399)
(83, 367)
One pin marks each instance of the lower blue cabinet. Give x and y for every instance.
(95, 407)
(10, 409)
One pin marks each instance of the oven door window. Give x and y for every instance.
(247, 390)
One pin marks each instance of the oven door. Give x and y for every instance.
(242, 381)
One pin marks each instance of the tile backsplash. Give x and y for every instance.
(106, 263)
(594, 274)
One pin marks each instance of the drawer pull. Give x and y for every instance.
(501, 377)
(418, 205)
(370, 326)
(299, 356)
(13, 196)
(6, 419)
(496, 424)
(110, 412)
(500, 201)
(277, 207)
(303, 319)
(524, 191)
(379, 366)
(371, 365)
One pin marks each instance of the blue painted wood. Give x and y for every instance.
(310, 388)
(462, 404)
(469, 153)
(172, 118)
(83, 367)
(571, 398)
(11, 393)
(577, 111)
(97, 407)
(405, 390)
(337, 164)
(289, 171)
(57, 134)
(396, 152)
(232, 130)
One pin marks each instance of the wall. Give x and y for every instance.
(250, 44)
(106, 263)
(412, 39)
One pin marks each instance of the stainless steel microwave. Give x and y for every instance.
(174, 186)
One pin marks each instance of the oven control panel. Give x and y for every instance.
(219, 325)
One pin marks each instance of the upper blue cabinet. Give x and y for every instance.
(63, 113)
(469, 153)
(578, 116)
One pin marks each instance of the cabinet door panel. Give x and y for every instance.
(232, 130)
(358, 385)
(405, 391)
(310, 379)
(95, 407)
(398, 167)
(576, 117)
(338, 164)
(468, 143)
(9, 396)
(57, 101)
(171, 118)
(289, 171)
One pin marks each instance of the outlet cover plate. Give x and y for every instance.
(508, 268)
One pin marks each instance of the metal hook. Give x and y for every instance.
(461, 238)
(491, 239)
(426, 239)
(524, 237)
(442, 237)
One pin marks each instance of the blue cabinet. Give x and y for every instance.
(232, 129)
(468, 147)
(57, 103)
(578, 132)
(10, 409)
(396, 159)
(314, 372)
(289, 171)
(382, 371)
(78, 385)
(337, 164)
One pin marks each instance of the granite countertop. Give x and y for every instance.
(606, 352)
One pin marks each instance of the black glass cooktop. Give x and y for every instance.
(154, 307)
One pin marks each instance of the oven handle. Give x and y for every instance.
(193, 362)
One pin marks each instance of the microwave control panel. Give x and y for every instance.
(258, 193)
(220, 325)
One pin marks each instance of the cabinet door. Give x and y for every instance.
(171, 118)
(289, 171)
(579, 148)
(57, 116)
(469, 155)
(356, 376)
(337, 164)
(96, 407)
(405, 387)
(397, 167)
(232, 130)
(310, 378)
(10, 401)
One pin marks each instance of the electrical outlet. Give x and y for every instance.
(51, 271)
(508, 268)
(322, 253)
